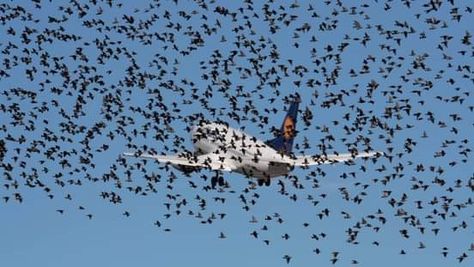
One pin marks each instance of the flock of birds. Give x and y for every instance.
(83, 81)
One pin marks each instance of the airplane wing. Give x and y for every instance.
(210, 161)
(328, 159)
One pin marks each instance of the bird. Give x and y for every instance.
(221, 235)
(140, 78)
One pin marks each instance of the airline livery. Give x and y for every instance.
(222, 148)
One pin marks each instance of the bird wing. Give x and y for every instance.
(209, 161)
(327, 159)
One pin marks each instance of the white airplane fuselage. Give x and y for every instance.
(249, 155)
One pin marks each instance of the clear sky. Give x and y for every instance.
(416, 59)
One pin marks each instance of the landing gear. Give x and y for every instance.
(213, 182)
(265, 182)
(220, 181)
(217, 180)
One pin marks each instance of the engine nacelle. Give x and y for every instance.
(185, 169)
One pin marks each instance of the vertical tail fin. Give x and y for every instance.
(283, 143)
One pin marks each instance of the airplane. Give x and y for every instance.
(219, 147)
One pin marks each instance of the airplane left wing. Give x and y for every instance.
(210, 161)
(327, 159)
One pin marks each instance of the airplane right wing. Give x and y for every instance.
(328, 159)
(210, 161)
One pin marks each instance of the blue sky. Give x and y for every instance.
(34, 233)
